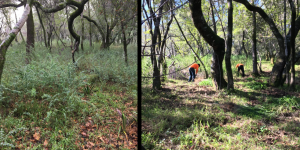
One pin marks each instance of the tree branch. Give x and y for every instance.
(13, 5)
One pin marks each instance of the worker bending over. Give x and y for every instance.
(192, 71)
(240, 67)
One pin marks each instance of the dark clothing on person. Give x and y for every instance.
(241, 67)
(192, 74)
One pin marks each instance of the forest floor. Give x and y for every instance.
(52, 104)
(193, 115)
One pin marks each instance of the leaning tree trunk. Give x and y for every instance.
(213, 40)
(20, 32)
(230, 84)
(30, 37)
(12, 35)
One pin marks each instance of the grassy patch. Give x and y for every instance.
(195, 116)
(52, 103)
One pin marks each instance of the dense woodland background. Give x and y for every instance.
(220, 110)
(68, 73)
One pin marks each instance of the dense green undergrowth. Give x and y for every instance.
(46, 103)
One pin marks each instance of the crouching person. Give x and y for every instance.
(192, 71)
(240, 67)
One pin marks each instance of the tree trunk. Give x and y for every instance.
(124, 42)
(213, 40)
(82, 31)
(90, 30)
(73, 15)
(243, 44)
(287, 71)
(30, 37)
(213, 16)
(156, 73)
(20, 30)
(254, 51)
(12, 35)
(230, 84)
(293, 36)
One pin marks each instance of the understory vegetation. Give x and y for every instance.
(52, 103)
(193, 115)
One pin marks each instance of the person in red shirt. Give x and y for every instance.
(240, 67)
(192, 71)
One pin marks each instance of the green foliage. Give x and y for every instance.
(5, 141)
(256, 85)
(289, 101)
(206, 82)
(110, 65)
(48, 93)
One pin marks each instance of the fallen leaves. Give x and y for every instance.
(37, 136)
(45, 143)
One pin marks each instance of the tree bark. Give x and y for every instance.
(20, 30)
(90, 30)
(30, 37)
(156, 73)
(82, 31)
(254, 51)
(293, 36)
(243, 44)
(213, 40)
(73, 15)
(213, 16)
(124, 42)
(230, 84)
(163, 44)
